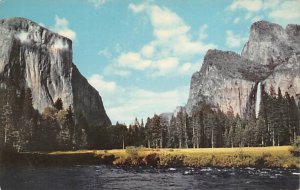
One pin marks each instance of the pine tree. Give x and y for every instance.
(71, 125)
(7, 123)
(156, 130)
(261, 131)
(294, 118)
(148, 132)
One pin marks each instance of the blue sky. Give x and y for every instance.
(140, 55)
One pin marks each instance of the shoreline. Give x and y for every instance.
(256, 157)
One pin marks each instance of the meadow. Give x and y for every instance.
(271, 157)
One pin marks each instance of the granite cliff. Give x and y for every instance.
(34, 57)
(227, 80)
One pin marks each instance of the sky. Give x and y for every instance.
(140, 55)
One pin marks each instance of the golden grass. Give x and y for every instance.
(281, 150)
(223, 157)
(276, 150)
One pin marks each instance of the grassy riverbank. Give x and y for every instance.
(213, 157)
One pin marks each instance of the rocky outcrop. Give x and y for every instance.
(31, 56)
(270, 44)
(229, 81)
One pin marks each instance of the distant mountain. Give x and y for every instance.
(34, 57)
(229, 81)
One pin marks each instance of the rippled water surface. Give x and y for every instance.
(110, 177)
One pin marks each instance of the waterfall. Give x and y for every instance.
(258, 99)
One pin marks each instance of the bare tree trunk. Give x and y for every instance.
(123, 144)
(185, 135)
(198, 139)
(273, 137)
(161, 140)
(149, 143)
(278, 144)
(180, 143)
(5, 135)
(212, 138)
(290, 134)
(194, 136)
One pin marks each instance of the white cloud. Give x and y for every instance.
(256, 18)
(148, 50)
(59, 44)
(97, 3)
(133, 60)
(166, 65)
(103, 87)
(189, 68)
(202, 32)
(279, 11)
(118, 48)
(136, 8)
(249, 5)
(172, 44)
(236, 20)
(62, 27)
(234, 40)
(133, 102)
(248, 15)
(105, 52)
(123, 104)
(286, 12)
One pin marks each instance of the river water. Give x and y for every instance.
(112, 177)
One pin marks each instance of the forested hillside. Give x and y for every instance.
(276, 124)
(24, 129)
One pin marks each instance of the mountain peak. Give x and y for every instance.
(41, 60)
(269, 41)
(31, 29)
(229, 80)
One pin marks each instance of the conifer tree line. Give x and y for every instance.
(22, 128)
(277, 124)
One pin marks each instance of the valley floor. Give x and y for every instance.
(270, 157)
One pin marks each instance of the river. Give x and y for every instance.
(112, 177)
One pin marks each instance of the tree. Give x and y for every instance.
(156, 130)
(81, 132)
(148, 132)
(7, 123)
(71, 125)
(261, 131)
(27, 105)
(294, 118)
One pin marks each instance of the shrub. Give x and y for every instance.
(133, 157)
(120, 161)
(198, 161)
(172, 160)
(295, 150)
(151, 159)
(133, 152)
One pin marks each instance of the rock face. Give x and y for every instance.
(227, 80)
(32, 56)
(270, 44)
